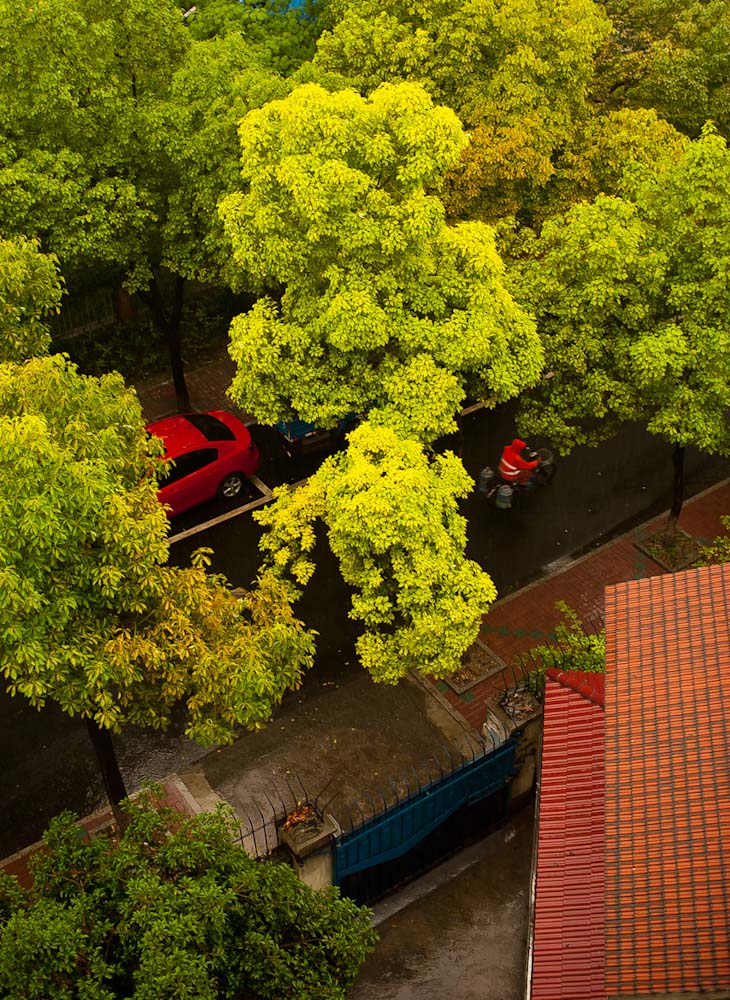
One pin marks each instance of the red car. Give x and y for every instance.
(213, 455)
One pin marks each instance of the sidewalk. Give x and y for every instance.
(207, 386)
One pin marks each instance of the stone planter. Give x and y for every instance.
(309, 841)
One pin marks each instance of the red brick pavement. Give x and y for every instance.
(207, 387)
(525, 619)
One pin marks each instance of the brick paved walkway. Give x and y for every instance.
(207, 386)
(528, 617)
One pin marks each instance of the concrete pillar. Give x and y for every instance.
(309, 843)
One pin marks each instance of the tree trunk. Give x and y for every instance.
(171, 329)
(123, 305)
(101, 740)
(677, 490)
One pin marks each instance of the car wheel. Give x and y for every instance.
(231, 486)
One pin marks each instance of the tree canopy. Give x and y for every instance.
(286, 33)
(118, 137)
(30, 291)
(81, 85)
(173, 909)
(516, 73)
(379, 293)
(632, 299)
(382, 307)
(90, 614)
(392, 520)
(670, 56)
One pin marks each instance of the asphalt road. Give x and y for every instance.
(47, 764)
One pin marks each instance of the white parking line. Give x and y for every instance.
(260, 486)
(266, 498)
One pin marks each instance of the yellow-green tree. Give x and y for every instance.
(383, 307)
(392, 519)
(379, 293)
(91, 615)
(517, 74)
(632, 299)
(30, 292)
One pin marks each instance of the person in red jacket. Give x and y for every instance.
(517, 463)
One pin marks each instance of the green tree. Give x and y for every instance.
(90, 614)
(392, 520)
(172, 909)
(287, 34)
(379, 293)
(516, 73)
(632, 299)
(30, 290)
(117, 139)
(672, 56)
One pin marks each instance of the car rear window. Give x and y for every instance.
(210, 427)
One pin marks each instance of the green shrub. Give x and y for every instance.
(572, 649)
(718, 551)
(172, 909)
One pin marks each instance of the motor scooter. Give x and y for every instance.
(501, 493)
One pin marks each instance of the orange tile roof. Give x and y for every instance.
(667, 847)
(567, 946)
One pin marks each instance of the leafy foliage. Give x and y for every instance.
(284, 33)
(393, 523)
(117, 139)
(516, 73)
(90, 615)
(30, 290)
(605, 157)
(172, 910)
(670, 56)
(572, 649)
(718, 551)
(632, 300)
(219, 82)
(379, 292)
(81, 86)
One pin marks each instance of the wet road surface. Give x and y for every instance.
(466, 938)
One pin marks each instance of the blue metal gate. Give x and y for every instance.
(399, 828)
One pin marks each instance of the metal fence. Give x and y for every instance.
(392, 830)
(267, 811)
(83, 313)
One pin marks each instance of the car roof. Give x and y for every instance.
(177, 433)
(180, 433)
